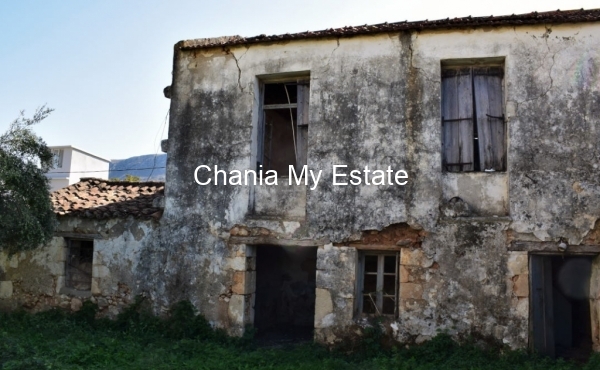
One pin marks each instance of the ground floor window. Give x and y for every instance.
(377, 283)
(78, 269)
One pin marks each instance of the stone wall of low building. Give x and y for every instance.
(35, 280)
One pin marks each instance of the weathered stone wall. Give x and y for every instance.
(336, 279)
(375, 100)
(37, 278)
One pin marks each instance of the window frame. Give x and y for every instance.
(58, 158)
(477, 146)
(301, 120)
(359, 306)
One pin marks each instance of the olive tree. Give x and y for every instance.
(26, 216)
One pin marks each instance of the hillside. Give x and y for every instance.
(140, 166)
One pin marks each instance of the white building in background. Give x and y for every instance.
(71, 164)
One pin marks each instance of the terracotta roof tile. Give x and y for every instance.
(97, 198)
(552, 17)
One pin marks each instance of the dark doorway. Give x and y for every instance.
(285, 293)
(79, 262)
(560, 296)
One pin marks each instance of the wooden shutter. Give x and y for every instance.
(491, 128)
(457, 120)
(595, 303)
(542, 309)
(302, 125)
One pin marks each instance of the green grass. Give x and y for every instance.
(54, 340)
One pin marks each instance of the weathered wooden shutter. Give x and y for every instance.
(491, 128)
(595, 303)
(542, 309)
(302, 124)
(457, 120)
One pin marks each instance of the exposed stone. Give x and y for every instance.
(411, 291)
(518, 263)
(397, 234)
(412, 257)
(76, 304)
(403, 274)
(102, 302)
(521, 285)
(323, 308)
(522, 307)
(244, 282)
(6, 289)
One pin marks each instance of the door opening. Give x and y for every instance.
(560, 305)
(284, 308)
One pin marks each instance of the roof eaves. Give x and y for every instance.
(552, 17)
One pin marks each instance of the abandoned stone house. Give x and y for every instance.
(102, 228)
(495, 232)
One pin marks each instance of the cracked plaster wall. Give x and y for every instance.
(375, 100)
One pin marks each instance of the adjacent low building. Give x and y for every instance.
(102, 228)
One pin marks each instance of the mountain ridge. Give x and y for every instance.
(148, 167)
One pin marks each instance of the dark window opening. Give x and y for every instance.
(278, 93)
(378, 284)
(560, 297)
(285, 293)
(79, 262)
(473, 122)
(283, 137)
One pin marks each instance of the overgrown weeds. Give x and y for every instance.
(139, 340)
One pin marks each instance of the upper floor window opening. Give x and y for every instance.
(283, 126)
(473, 121)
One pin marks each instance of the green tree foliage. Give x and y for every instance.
(26, 216)
(130, 178)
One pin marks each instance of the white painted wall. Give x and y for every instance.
(76, 164)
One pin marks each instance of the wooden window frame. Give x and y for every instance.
(301, 121)
(474, 127)
(360, 295)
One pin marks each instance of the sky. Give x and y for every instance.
(102, 65)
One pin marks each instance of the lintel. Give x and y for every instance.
(552, 247)
(78, 235)
(270, 240)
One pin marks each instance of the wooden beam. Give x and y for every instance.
(377, 247)
(270, 240)
(78, 235)
(280, 106)
(552, 247)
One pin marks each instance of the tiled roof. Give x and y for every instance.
(553, 17)
(98, 198)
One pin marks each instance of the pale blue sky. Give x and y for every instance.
(102, 65)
